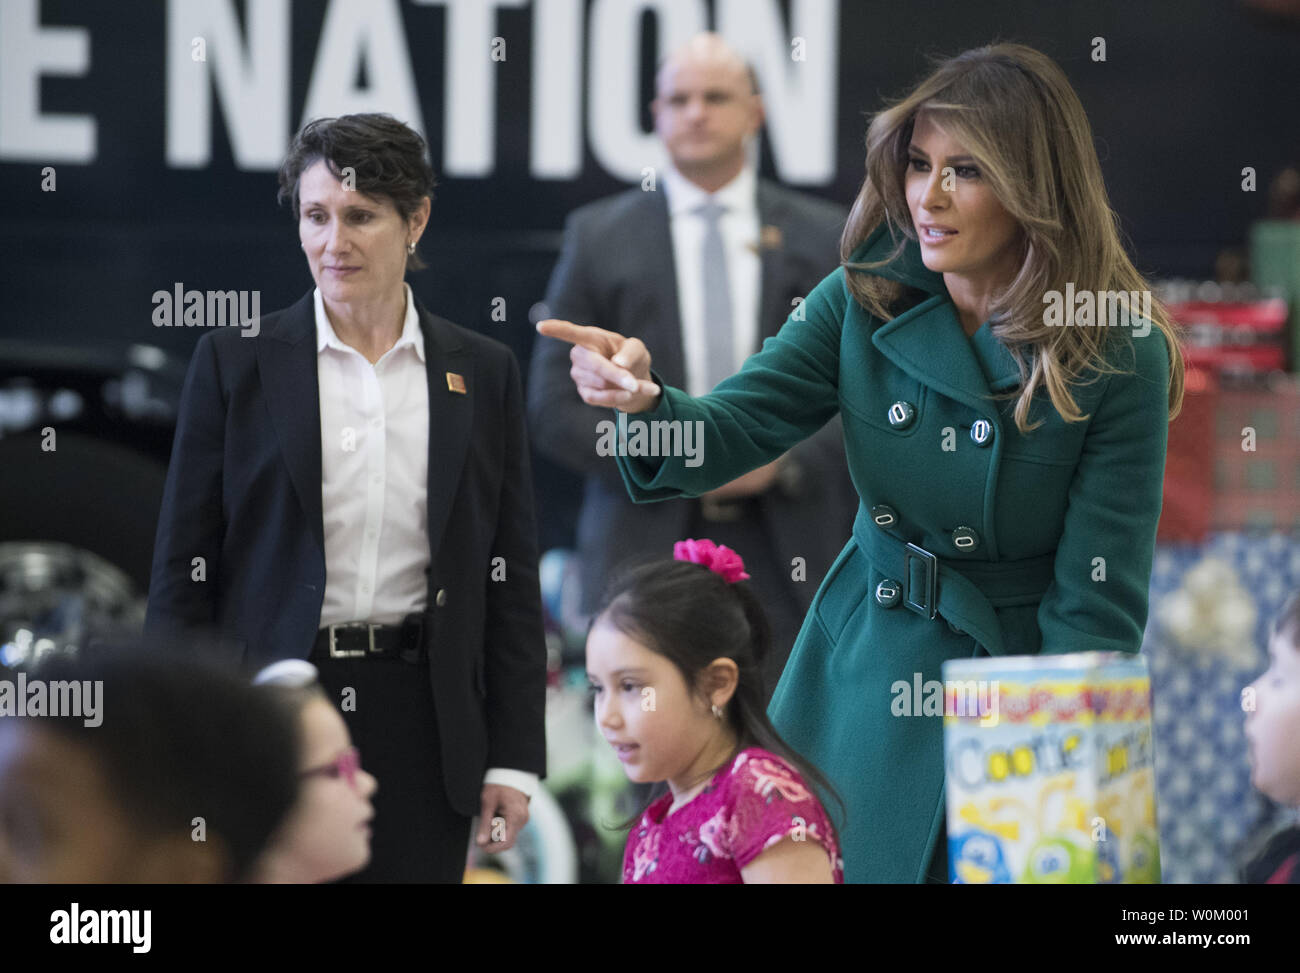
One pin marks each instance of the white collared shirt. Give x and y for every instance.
(374, 475)
(374, 428)
(740, 239)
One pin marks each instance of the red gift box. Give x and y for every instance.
(1259, 488)
(1189, 462)
(1247, 337)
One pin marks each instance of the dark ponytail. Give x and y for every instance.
(691, 616)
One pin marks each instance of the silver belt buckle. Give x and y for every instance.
(337, 653)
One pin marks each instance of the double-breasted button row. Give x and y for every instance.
(901, 415)
(963, 538)
(889, 592)
(883, 516)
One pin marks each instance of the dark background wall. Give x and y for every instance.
(1191, 92)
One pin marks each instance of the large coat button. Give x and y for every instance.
(981, 433)
(888, 592)
(965, 539)
(901, 414)
(883, 516)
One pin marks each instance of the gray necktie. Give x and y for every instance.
(718, 313)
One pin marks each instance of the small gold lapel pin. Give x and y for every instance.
(769, 237)
(456, 383)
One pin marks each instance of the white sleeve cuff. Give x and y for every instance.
(520, 780)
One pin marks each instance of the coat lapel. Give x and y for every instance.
(451, 415)
(287, 367)
(927, 340)
(772, 217)
(996, 362)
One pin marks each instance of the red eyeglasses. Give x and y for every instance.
(347, 764)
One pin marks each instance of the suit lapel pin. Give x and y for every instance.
(769, 237)
(456, 383)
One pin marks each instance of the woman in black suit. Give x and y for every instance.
(352, 486)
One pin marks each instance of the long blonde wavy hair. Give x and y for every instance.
(1016, 115)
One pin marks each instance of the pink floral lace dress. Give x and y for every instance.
(748, 807)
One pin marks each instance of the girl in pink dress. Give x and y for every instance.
(674, 658)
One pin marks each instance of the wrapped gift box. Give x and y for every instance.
(1257, 455)
(1049, 770)
(1189, 462)
(1243, 337)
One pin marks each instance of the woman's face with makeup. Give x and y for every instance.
(962, 226)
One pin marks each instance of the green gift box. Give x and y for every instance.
(1275, 263)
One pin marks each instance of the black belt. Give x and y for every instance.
(365, 640)
(966, 593)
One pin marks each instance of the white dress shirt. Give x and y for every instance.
(740, 228)
(374, 428)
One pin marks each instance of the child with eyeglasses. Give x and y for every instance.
(326, 835)
(114, 799)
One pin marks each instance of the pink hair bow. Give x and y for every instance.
(718, 558)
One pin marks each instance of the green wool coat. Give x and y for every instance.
(1034, 543)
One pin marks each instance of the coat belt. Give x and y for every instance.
(964, 592)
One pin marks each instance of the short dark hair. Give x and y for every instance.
(387, 157)
(1286, 625)
(750, 73)
(181, 739)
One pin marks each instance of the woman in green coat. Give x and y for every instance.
(1005, 416)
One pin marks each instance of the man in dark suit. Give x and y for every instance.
(352, 486)
(701, 268)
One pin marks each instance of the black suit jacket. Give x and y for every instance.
(244, 493)
(616, 271)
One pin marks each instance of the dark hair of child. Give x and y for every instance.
(1283, 847)
(1287, 623)
(692, 615)
(181, 739)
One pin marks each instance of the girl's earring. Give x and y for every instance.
(717, 711)
(410, 248)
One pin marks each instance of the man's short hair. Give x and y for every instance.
(749, 70)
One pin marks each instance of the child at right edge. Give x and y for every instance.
(1273, 730)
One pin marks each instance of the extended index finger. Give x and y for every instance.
(597, 339)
